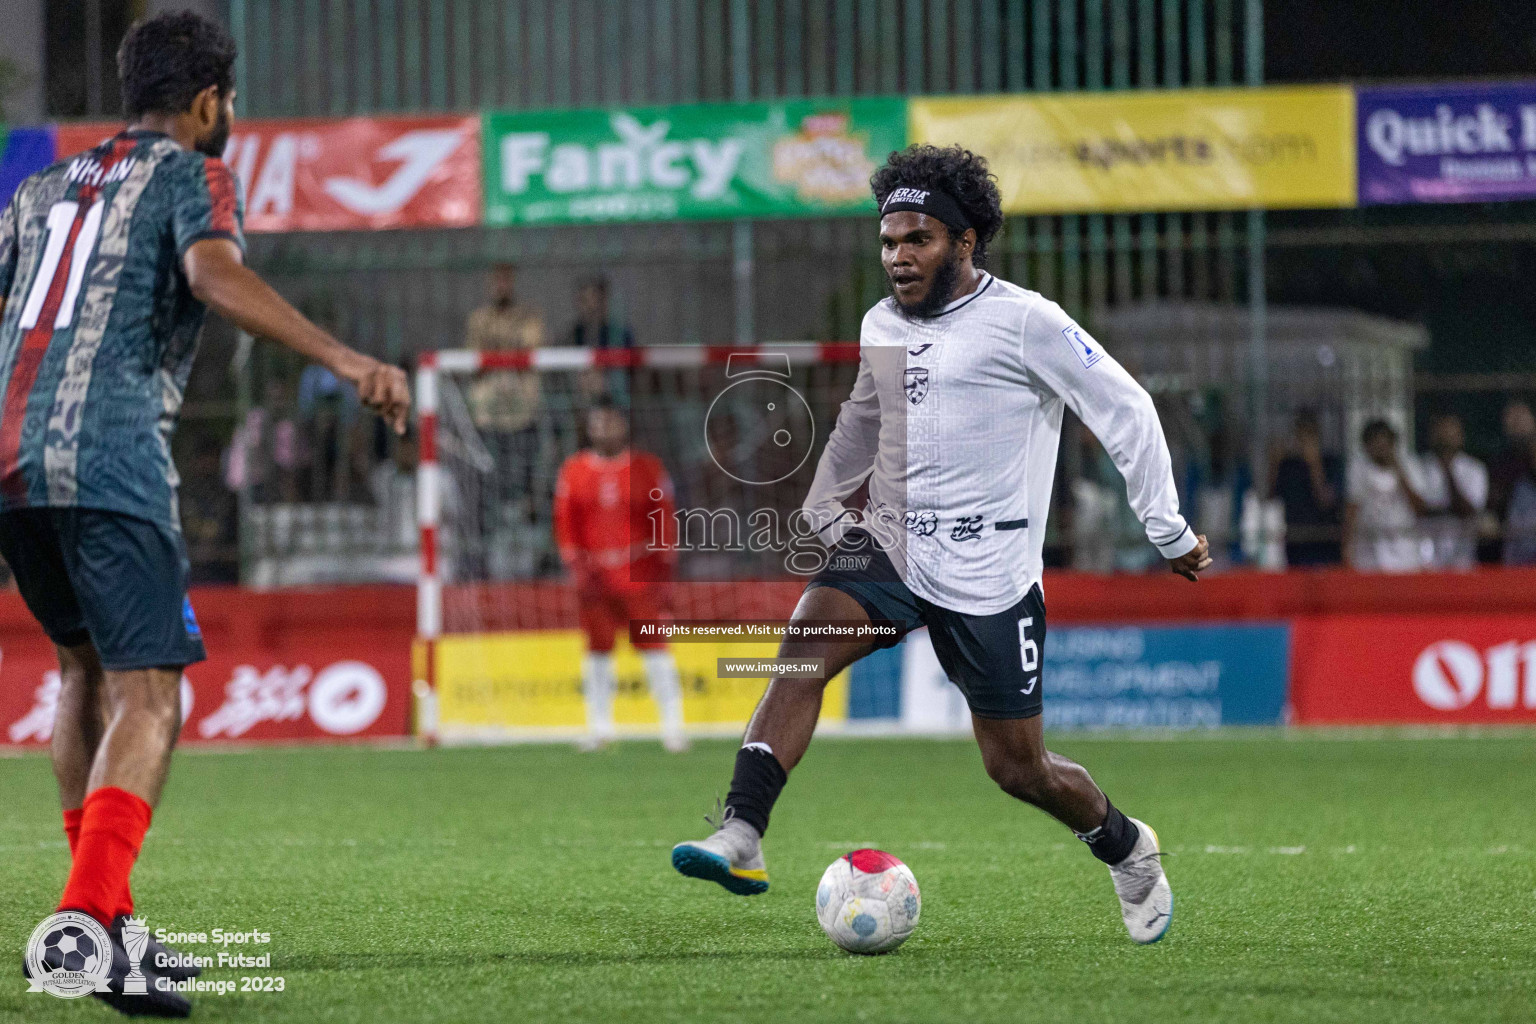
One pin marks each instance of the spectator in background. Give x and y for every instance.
(1520, 512)
(595, 328)
(1309, 485)
(1455, 487)
(208, 518)
(1384, 505)
(392, 483)
(328, 411)
(266, 450)
(505, 403)
(1513, 461)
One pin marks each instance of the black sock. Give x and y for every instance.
(756, 785)
(1112, 841)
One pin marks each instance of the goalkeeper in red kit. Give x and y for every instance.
(614, 524)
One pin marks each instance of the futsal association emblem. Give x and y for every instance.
(917, 384)
(69, 955)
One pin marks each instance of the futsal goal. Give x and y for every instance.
(739, 430)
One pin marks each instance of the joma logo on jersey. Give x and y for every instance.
(906, 195)
(917, 384)
(89, 172)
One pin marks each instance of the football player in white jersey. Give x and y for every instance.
(953, 423)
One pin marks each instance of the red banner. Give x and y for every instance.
(331, 665)
(1422, 669)
(344, 174)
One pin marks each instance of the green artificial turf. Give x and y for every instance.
(1317, 878)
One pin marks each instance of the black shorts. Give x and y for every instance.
(995, 660)
(115, 580)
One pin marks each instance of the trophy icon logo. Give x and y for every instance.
(135, 941)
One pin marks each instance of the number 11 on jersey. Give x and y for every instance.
(62, 235)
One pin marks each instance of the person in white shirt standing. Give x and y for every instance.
(953, 423)
(1381, 520)
(1455, 487)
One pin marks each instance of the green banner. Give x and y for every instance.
(801, 158)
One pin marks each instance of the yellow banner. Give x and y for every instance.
(531, 681)
(1191, 149)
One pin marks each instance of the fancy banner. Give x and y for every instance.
(704, 161)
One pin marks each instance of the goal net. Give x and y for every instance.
(739, 431)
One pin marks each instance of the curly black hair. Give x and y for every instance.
(165, 61)
(961, 173)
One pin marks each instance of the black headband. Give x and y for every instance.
(939, 205)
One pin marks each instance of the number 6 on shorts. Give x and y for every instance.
(1029, 651)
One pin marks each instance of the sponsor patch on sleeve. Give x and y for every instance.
(1088, 350)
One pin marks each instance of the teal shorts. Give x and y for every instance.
(114, 580)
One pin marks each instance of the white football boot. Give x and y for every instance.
(732, 856)
(1146, 900)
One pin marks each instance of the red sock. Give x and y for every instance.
(112, 826)
(72, 818)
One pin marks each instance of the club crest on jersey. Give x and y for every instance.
(1088, 351)
(917, 384)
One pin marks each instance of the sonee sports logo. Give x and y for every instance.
(69, 955)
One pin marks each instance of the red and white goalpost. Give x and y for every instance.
(486, 557)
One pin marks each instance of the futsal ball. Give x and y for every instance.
(868, 902)
(70, 949)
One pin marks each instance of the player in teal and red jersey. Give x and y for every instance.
(108, 261)
(614, 525)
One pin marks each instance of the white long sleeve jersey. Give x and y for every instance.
(955, 420)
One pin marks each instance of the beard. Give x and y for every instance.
(217, 139)
(945, 276)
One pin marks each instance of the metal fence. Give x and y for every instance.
(397, 294)
(310, 57)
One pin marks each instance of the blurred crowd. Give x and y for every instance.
(1388, 509)
(308, 489)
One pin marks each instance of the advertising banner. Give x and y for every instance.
(269, 677)
(22, 151)
(1447, 143)
(1190, 149)
(344, 174)
(698, 162)
(1415, 669)
(1102, 677)
(528, 683)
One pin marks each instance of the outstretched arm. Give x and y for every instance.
(846, 460)
(1070, 362)
(219, 277)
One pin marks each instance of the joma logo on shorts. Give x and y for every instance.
(848, 563)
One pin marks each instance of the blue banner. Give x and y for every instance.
(1446, 143)
(25, 151)
(1178, 677)
(1101, 677)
